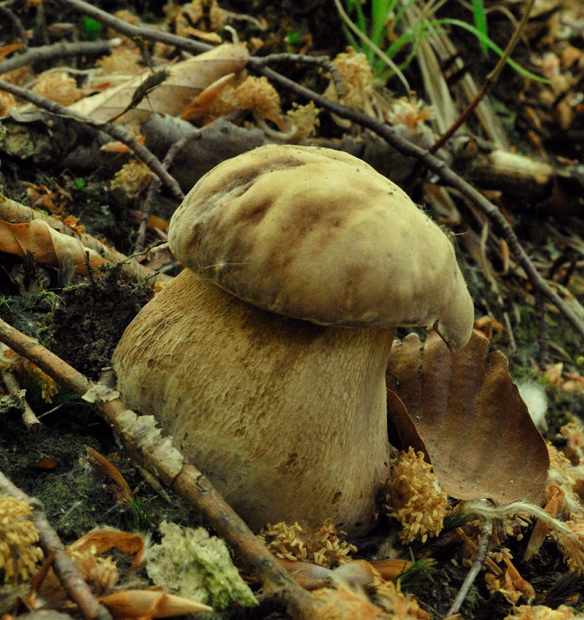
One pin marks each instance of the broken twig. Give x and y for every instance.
(475, 569)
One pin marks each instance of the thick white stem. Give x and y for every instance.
(287, 418)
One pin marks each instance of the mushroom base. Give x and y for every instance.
(287, 418)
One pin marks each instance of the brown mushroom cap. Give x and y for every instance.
(317, 234)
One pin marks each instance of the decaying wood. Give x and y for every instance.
(155, 453)
(63, 566)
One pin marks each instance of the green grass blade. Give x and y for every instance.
(480, 20)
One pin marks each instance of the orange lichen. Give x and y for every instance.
(413, 497)
(541, 612)
(293, 542)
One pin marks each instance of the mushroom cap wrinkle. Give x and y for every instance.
(317, 234)
(247, 358)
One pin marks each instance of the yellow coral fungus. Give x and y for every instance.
(132, 178)
(357, 77)
(541, 612)
(345, 603)
(293, 542)
(260, 97)
(413, 497)
(18, 554)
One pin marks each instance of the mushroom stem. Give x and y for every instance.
(250, 371)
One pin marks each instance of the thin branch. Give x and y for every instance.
(19, 29)
(58, 50)
(154, 187)
(63, 566)
(488, 83)
(147, 448)
(115, 130)
(384, 131)
(475, 569)
(318, 61)
(13, 386)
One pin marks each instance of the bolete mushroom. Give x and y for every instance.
(265, 358)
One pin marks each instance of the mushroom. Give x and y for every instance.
(265, 358)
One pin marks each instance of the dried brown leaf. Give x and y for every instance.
(100, 541)
(471, 419)
(47, 245)
(149, 604)
(187, 79)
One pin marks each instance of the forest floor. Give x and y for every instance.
(522, 151)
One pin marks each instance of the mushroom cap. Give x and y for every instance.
(317, 234)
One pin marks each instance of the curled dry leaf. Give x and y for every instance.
(187, 79)
(148, 604)
(469, 415)
(100, 541)
(47, 245)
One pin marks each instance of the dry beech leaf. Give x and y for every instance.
(100, 541)
(186, 81)
(46, 244)
(149, 604)
(470, 418)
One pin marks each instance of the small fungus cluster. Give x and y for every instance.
(322, 546)
(413, 497)
(18, 553)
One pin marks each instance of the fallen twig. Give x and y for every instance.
(14, 212)
(117, 131)
(18, 29)
(154, 187)
(384, 131)
(58, 50)
(156, 454)
(13, 386)
(475, 569)
(63, 566)
(318, 61)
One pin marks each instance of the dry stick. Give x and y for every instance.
(189, 482)
(154, 187)
(475, 569)
(58, 50)
(13, 386)
(19, 29)
(489, 81)
(63, 566)
(319, 61)
(384, 131)
(115, 130)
